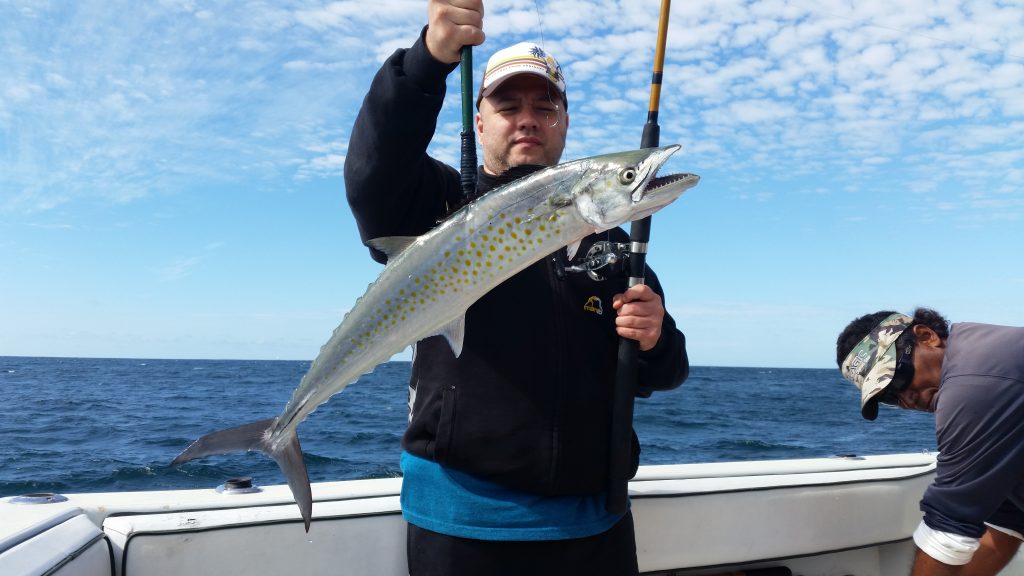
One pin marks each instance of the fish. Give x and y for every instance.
(431, 280)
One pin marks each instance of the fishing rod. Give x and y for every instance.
(467, 172)
(621, 441)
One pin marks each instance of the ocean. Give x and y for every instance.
(98, 425)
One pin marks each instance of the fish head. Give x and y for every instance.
(620, 187)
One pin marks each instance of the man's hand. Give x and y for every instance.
(640, 315)
(452, 24)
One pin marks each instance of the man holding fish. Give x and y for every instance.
(505, 457)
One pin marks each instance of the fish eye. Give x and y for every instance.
(627, 175)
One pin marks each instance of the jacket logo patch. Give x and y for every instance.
(594, 305)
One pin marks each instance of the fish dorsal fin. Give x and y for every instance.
(571, 249)
(391, 246)
(453, 332)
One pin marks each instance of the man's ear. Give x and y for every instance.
(926, 336)
(479, 126)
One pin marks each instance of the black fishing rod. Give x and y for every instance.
(467, 172)
(621, 441)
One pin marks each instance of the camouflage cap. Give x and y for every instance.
(872, 362)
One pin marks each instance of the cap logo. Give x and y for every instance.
(553, 70)
(859, 361)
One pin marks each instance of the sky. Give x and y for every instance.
(171, 171)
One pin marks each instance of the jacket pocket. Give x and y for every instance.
(445, 425)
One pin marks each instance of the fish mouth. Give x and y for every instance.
(662, 190)
(659, 182)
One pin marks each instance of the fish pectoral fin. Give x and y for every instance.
(256, 436)
(571, 249)
(454, 332)
(391, 246)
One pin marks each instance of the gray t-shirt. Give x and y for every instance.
(979, 427)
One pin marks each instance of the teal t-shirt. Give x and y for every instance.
(457, 504)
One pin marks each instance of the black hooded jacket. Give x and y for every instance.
(528, 402)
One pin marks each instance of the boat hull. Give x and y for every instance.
(830, 516)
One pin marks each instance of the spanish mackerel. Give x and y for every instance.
(431, 280)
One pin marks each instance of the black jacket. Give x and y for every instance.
(528, 402)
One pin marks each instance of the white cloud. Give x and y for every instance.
(141, 101)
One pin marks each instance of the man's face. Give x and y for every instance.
(929, 352)
(522, 122)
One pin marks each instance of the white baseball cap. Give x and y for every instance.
(522, 58)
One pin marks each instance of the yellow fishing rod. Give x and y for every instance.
(621, 440)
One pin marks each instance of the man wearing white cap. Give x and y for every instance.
(972, 377)
(505, 457)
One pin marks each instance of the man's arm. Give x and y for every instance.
(925, 565)
(393, 187)
(995, 551)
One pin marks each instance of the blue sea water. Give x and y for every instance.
(97, 425)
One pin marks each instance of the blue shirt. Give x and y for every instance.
(457, 504)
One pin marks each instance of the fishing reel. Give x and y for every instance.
(604, 259)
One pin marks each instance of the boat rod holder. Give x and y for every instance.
(610, 258)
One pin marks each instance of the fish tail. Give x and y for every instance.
(256, 436)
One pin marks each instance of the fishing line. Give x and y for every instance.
(540, 27)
